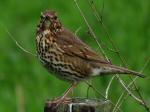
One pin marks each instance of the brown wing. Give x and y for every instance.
(71, 45)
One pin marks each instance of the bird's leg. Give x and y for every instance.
(73, 85)
(63, 98)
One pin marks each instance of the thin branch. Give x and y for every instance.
(123, 94)
(114, 46)
(108, 87)
(94, 36)
(88, 89)
(77, 30)
(90, 29)
(119, 100)
(129, 92)
(90, 85)
(97, 91)
(15, 41)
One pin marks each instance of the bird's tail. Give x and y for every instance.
(112, 69)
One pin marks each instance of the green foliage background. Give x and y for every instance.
(25, 84)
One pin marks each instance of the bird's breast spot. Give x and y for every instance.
(46, 32)
(96, 71)
(43, 44)
(38, 39)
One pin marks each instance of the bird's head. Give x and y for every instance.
(48, 17)
(49, 20)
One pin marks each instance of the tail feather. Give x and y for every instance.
(112, 69)
(123, 70)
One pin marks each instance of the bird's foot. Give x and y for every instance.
(61, 100)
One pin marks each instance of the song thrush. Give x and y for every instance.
(67, 57)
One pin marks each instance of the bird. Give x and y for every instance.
(67, 57)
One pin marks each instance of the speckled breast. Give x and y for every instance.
(53, 59)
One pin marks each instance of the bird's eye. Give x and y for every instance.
(55, 17)
(42, 17)
(46, 17)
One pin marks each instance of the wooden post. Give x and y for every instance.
(80, 105)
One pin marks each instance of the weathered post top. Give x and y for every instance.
(80, 105)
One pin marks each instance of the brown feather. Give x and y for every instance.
(73, 46)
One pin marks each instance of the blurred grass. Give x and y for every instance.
(25, 84)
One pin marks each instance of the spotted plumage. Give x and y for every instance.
(66, 56)
(62, 53)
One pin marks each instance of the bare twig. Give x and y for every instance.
(129, 92)
(114, 46)
(88, 88)
(97, 91)
(119, 100)
(90, 29)
(90, 85)
(94, 36)
(124, 93)
(108, 87)
(77, 30)
(15, 41)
